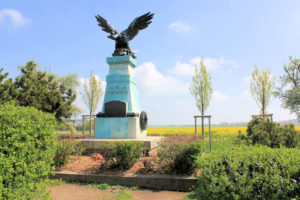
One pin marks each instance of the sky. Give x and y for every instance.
(231, 35)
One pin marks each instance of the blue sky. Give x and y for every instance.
(232, 36)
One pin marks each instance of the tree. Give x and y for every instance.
(261, 87)
(71, 82)
(92, 92)
(38, 89)
(7, 88)
(289, 90)
(76, 111)
(201, 89)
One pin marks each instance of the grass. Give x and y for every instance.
(118, 192)
(53, 182)
(104, 186)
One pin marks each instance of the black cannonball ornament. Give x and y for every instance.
(143, 120)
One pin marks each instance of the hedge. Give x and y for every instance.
(255, 172)
(27, 148)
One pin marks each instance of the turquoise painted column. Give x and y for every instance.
(120, 86)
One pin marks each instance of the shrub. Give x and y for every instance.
(65, 149)
(252, 123)
(79, 126)
(148, 164)
(71, 127)
(73, 136)
(61, 126)
(256, 172)
(177, 154)
(27, 148)
(290, 136)
(265, 132)
(122, 155)
(66, 126)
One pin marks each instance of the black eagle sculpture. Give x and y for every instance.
(122, 47)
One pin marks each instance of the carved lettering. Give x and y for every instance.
(117, 90)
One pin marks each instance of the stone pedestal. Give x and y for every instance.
(118, 128)
(121, 115)
(92, 145)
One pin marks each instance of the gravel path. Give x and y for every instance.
(68, 191)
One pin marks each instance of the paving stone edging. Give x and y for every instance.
(162, 182)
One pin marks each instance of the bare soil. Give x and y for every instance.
(86, 165)
(81, 192)
(81, 164)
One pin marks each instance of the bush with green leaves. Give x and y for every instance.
(79, 126)
(255, 172)
(122, 155)
(266, 132)
(65, 126)
(63, 136)
(178, 154)
(66, 148)
(290, 137)
(27, 148)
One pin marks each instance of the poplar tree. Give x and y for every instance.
(261, 87)
(201, 89)
(91, 95)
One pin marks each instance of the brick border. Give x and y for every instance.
(162, 182)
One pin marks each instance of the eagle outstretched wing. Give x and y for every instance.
(107, 27)
(138, 23)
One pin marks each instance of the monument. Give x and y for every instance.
(121, 116)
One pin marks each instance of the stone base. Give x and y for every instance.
(118, 128)
(92, 144)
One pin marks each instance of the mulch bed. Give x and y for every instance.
(86, 165)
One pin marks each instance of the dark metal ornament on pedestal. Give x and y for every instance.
(122, 47)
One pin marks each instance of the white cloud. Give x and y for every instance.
(210, 63)
(180, 27)
(187, 69)
(85, 80)
(247, 94)
(217, 95)
(82, 81)
(246, 79)
(15, 16)
(153, 82)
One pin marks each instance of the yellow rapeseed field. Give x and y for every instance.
(191, 130)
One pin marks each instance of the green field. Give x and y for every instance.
(222, 137)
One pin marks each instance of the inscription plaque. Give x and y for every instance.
(115, 108)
